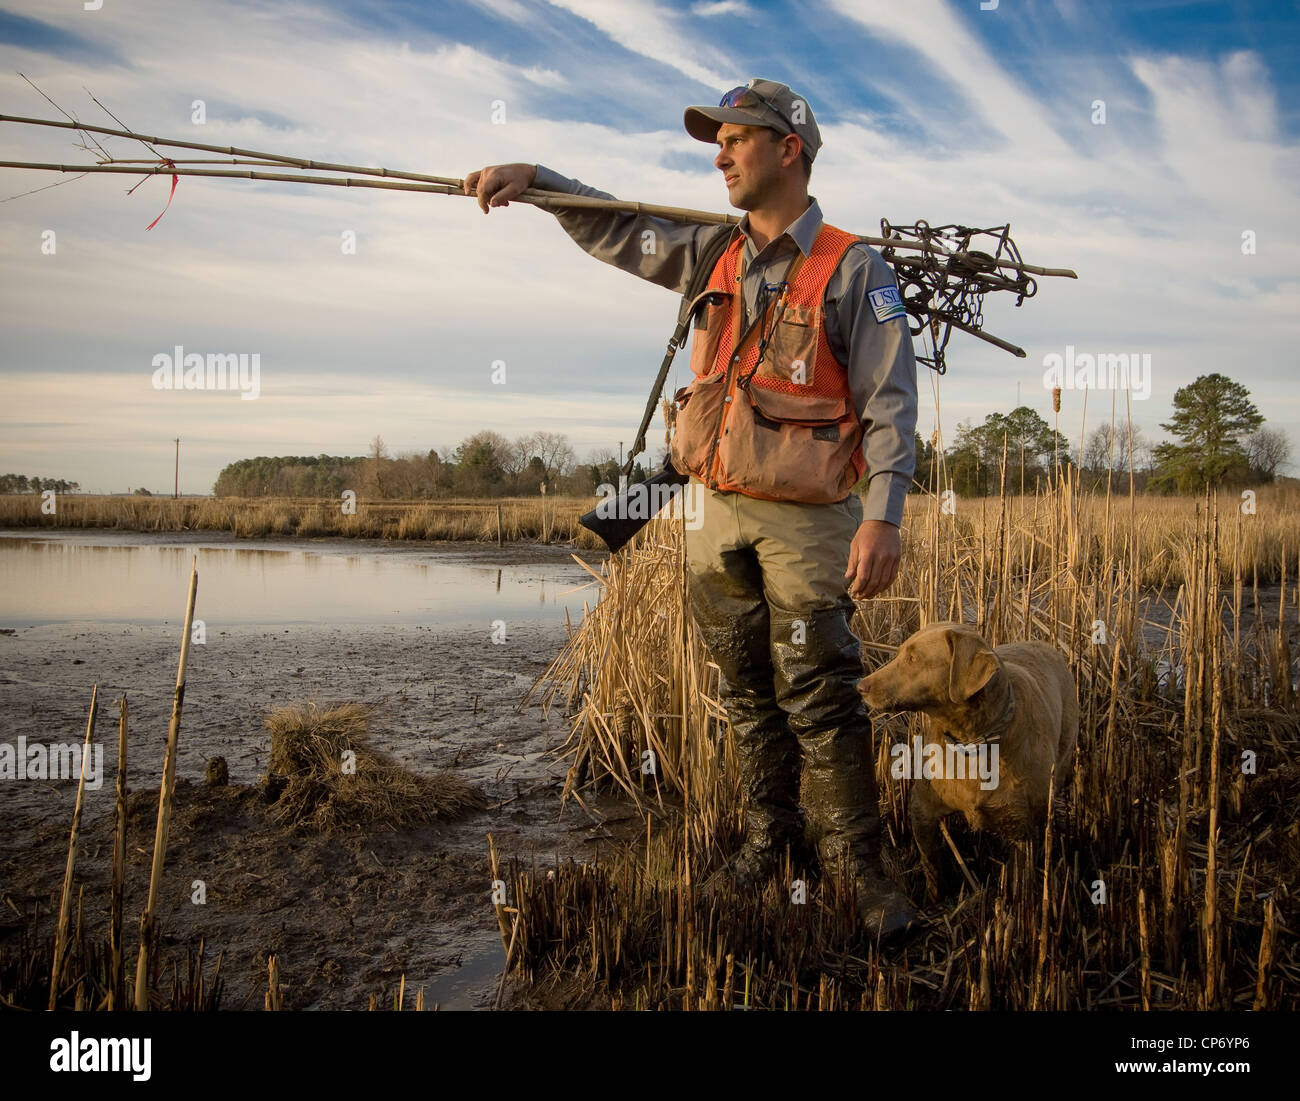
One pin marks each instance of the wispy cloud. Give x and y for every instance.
(708, 9)
(952, 54)
(653, 31)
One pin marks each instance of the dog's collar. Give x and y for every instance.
(996, 728)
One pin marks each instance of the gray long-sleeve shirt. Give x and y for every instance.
(878, 354)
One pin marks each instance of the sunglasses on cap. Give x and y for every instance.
(745, 97)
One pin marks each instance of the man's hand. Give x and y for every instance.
(873, 559)
(499, 183)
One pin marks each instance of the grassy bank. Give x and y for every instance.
(522, 519)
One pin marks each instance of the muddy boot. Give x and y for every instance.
(769, 778)
(883, 910)
(732, 615)
(746, 874)
(817, 669)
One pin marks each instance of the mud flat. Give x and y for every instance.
(347, 915)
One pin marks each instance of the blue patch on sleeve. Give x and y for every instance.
(886, 303)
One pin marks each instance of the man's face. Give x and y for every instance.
(750, 162)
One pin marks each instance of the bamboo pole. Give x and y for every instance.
(447, 185)
(153, 161)
(165, 170)
(165, 796)
(116, 990)
(228, 150)
(65, 902)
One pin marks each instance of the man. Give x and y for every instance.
(804, 380)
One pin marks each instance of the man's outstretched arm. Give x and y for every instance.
(658, 250)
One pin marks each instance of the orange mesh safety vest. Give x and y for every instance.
(784, 427)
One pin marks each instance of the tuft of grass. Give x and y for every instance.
(330, 779)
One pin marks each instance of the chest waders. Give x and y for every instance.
(766, 585)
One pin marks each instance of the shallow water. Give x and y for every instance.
(128, 578)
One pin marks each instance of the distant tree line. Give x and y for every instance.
(1220, 441)
(485, 464)
(974, 462)
(288, 476)
(21, 483)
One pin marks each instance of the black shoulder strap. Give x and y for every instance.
(713, 246)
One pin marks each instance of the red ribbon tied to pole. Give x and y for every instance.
(175, 180)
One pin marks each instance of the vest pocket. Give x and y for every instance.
(698, 408)
(792, 350)
(796, 447)
(706, 336)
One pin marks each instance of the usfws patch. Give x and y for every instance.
(886, 302)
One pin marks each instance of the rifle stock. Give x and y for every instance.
(617, 519)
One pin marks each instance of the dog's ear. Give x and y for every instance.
(973, 664)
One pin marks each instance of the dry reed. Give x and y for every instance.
(1186, 682)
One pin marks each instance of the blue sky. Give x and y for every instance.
(928, 109)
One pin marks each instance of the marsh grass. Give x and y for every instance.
(1186, 676)
(523, 519)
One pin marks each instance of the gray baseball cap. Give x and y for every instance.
(758, 103)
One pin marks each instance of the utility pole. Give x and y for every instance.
(177, 491)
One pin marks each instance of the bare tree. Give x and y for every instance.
(1096, 452)
(375, 470)
(517, 454)
(1267, 449)
(1107, 448)
(556, 454)
(407, 476)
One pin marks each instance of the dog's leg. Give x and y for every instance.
(925, 811)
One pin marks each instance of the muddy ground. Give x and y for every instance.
(346, 915)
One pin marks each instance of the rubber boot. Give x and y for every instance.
(817, 669)
(732, 615)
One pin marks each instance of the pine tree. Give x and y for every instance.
(1210, 417)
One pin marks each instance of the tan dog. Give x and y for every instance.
(1015, 706)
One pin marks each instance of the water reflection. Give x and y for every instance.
(59, 579)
